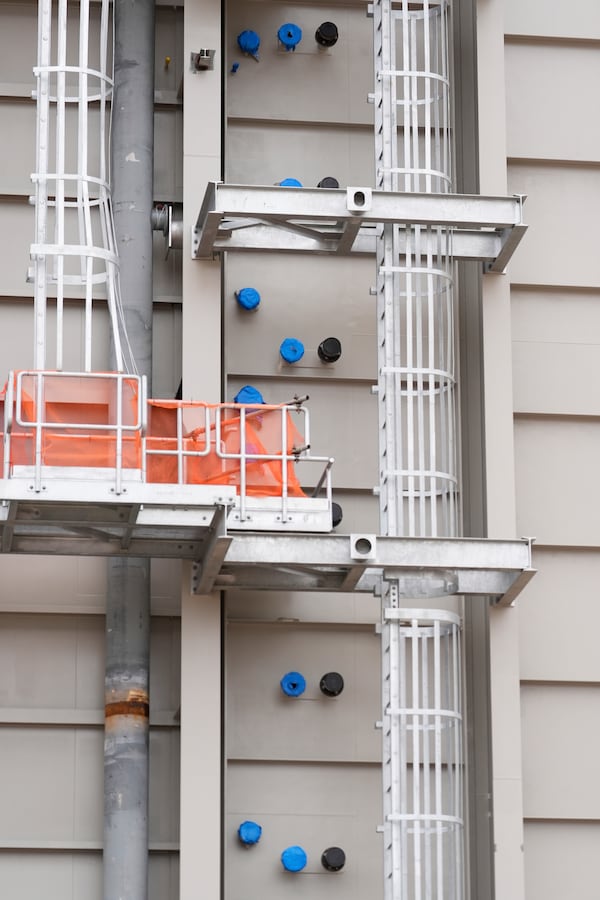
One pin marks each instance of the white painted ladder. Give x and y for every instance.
(421, 657)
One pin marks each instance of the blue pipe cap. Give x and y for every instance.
(293, 859)
(248, 394)
(290, 182)
(290, 35)
(248, 298)
(293, 684)
(249, 833)
(291, 350)
(248, 42)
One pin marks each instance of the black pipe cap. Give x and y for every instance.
(328, 182)
(332, 684)
(329, 350)
(326, 34)
(333, 859)
(337, 514)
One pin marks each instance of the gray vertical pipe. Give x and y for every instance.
(126, 769)
(125, 856)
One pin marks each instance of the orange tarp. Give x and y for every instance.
(212, 465)
(70, 401)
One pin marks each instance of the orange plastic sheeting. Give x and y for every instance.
(79, 399)
(76, 400)
(205, 463)
(69, 400)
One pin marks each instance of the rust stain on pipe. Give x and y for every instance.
(136, 704)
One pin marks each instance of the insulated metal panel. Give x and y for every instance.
(335, 81)
(302, 150)
(296, 606)
(17, 118)
(554, 332)
(168, 175)
(264, 723)
(547, 78)
(31, 874)
(14, 248)
(342, 423)
(292, 291)
(56, 584)
(553, 19)
(34, 874)
(560, 246)
(557, 727)
(561, 860)
(539, 382)
(316, 807)
(566, 654)
(557, 501)
(67, 807)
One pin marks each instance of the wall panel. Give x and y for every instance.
(555, 353)
(561, 743)
(560, 245)
(558, 496)
(343, 425)
(263, 723)
(559, 617)
(561, 860)
(335, 81)
(547, 101)
(312, 806)
(553, 18)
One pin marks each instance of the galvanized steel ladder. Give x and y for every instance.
(421, 656)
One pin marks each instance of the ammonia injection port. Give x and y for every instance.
(293, 859)
(249, 833)
(248, 394)
(248, 298)
(249, 42)
(327, 34)
(328, 182)
(329, 350)
(332, 684)
(291, 350)
(337, 514)
(293, 684)
(289, 35)
(333, 859)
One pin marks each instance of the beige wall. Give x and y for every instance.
(552, 147)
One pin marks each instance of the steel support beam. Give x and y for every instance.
(347, 221)
(423, 567)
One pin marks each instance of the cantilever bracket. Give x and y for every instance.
(422, 567)
(348, 221)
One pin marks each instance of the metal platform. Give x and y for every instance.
(348, 221)
(87, 518)
(423, 567)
